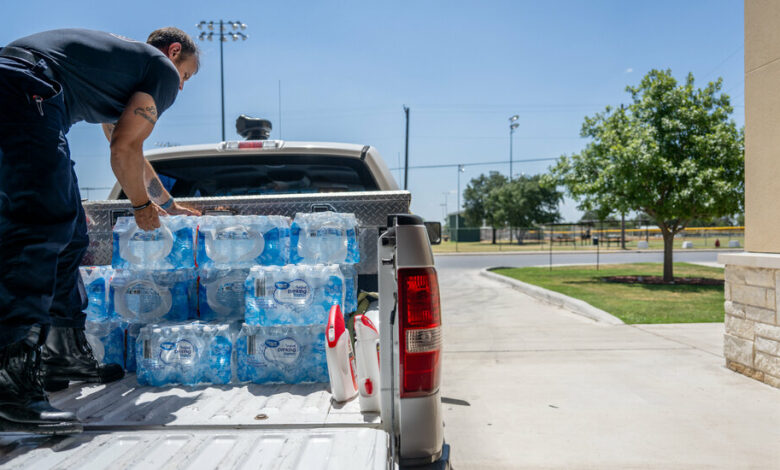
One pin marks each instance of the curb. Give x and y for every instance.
(573, 305)
(581, 252)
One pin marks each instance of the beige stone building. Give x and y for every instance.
(752, 339)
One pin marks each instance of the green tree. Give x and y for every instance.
(475, 200)
(672, 153)
(524, 202)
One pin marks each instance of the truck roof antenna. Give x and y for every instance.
(253, 128)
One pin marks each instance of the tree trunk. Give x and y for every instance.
(494, 235)
(668, 252)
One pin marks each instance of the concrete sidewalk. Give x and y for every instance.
(529, 385)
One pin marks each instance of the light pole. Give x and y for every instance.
(457, 211)
(222, 37)
(512, 126)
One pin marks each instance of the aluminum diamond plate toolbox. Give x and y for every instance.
(371, 209)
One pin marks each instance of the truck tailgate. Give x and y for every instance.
(242, 426)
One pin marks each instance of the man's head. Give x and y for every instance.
(180, 48)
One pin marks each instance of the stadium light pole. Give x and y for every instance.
(222, 36)
(457, 211)
(512, 126)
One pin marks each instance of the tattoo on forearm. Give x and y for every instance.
(155, 188)
(149, 113)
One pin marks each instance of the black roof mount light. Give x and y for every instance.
(253, 128)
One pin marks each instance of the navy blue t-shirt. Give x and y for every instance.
(100, 71)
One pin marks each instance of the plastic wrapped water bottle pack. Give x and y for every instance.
(187, 354)
(350, 287)
(324, 237)
(168, 247)
(243, 240)
(96, 281)
(292, 294)
(281, 354)
(221, 293)
(151, 296)
(107, 339)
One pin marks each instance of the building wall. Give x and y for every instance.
(762, 126)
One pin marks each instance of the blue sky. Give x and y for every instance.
(347, 68)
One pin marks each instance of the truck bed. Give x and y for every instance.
(232, 426)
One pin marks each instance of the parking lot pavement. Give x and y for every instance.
(529, 385)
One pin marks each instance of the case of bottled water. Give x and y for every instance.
(350, 287)
(324, 237)
(221, 293)
(96, 281)
(281, 354)
(107, 339)
(292, 294)
(169, 246)
(243, 240)
(146, 296)
(132, 330)
(187, 354)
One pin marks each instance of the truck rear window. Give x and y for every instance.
(224, 175)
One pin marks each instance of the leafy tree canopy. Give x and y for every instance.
(672, 153)
(475, 199)
(525, 201)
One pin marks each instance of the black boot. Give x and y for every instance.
(24, 406)
(68, 356)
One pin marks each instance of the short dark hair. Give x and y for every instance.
(164, 37)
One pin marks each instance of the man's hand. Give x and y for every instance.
(148, 218)
(178, 209)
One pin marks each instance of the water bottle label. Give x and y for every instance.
(326, 231)
(285, 351)
(294, 292)
(180, 352)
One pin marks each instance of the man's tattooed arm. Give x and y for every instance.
(108, 130)
(154, 187)
(149, 113)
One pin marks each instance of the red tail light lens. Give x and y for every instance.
(420, 331)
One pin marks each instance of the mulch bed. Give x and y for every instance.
(693, 281)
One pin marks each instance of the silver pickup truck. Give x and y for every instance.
(274, 426)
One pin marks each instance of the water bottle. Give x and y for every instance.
(147, 296)
(221, 293)
(243, 240)
(106, 338)
(324, 237)
(169, 246)
(292, 294)
(220, 354)
(95, 280)
(350, 287)
(281, 354)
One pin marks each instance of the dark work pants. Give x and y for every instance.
(43, 232)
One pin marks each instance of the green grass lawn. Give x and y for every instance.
(634, 303)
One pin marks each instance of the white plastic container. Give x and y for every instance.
(341, 360)
(367, 352)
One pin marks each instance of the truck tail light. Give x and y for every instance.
(420, 331)
(251, 144)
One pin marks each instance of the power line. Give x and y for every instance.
(502, 162)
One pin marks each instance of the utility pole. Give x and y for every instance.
(222, 37)
(457, 211)
(512, 126)
(406, 158)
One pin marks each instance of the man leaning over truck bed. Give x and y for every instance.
(48, 82)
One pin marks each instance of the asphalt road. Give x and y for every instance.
(479, 261)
